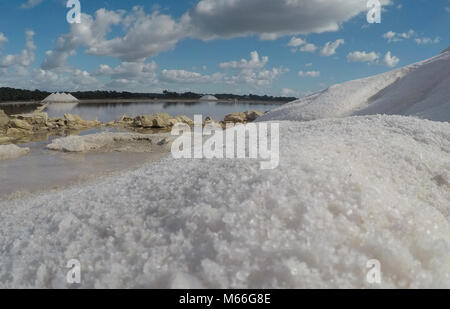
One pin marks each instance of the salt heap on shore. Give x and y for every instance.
(208, 98)
(60, 98)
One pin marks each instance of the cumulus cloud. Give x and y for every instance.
(146, 36)
(231, 18)
(313, 74)
(309, 48)
(252, 72)
(298, 44)
(90, 33)
(129, 70)
(362, 56)
(24, 58)
(392, 36)
(330, 48)
(255, 62)
(389, 60)
(139, 75)
(130, 75)
(373, 58)
(187, 77)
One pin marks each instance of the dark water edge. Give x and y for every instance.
(18, 108)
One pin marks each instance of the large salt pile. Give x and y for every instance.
(421, 89)
(208, 98)
(60, 98)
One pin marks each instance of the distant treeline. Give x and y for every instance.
(10, 94)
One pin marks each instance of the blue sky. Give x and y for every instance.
(211, 46)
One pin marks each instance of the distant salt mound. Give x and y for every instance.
(421, 90)
(209, 98)
(60, 98)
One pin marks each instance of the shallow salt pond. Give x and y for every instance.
(42, 170)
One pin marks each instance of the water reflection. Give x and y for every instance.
(106, 112)
(59, 108)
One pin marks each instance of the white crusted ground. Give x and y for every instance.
(347, 190)
(12, 151)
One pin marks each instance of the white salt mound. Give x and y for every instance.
(347, 191)
(60, 98)
(421, 90)
(208, 98)
(12, 151)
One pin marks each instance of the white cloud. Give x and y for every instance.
(25, 58)
(296, 42)
(232, 18)
(252, 72)
(299, 44)
(30, 4)
(392, 36)
(140, 75)
(309, 48)
(3, 39)
(129, 70)
(313, 74)
(255, 62)
(373, 57)
(90, 33)
(389, 60)
(330, 48)
(362, 56)
(186, 77)
(425, 41)
(447, 9)
(146, 36)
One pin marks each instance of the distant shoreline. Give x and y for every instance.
(140, 100)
